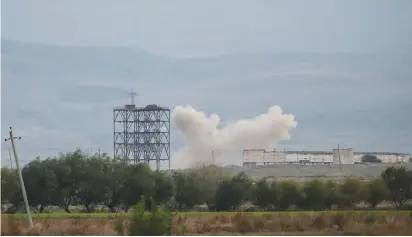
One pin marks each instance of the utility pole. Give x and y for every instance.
(11, 161)
(23, 189)
(340, 162)
(213, 157)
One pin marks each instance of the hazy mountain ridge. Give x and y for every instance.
(73, 89)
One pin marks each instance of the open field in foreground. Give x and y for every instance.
(203, 223)
(107, 215)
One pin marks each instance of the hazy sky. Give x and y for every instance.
(357, 100)
(200, 28)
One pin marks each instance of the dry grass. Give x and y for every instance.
(237, 224)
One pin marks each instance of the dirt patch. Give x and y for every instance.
(236, 224)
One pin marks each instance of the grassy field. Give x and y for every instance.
(66, 215)
(226, 223)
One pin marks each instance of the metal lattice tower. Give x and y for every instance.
(141, 134)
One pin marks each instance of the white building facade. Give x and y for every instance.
(259, 157)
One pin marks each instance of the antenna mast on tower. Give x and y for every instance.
(132, 95)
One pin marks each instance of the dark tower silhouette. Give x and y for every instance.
(141, 134)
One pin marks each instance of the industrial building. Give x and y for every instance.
(259, 157)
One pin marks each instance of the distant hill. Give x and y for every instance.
(359, 100)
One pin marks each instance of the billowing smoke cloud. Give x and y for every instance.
(203, 134)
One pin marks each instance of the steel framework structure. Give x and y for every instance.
(142, 134)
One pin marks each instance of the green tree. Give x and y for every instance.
(264, 193)
(40, 175)
(315, 194)
(399, 183)
(91, 190)
(187, 191)
(68, 170)
(289, 193)
(332, 196)
(352, 191)
(378, 191)
(368, 158)
(164, 187)
(10, 190)
(139, 182)
(115, 183)
(208, 180)
(233, 192)
(223, 199)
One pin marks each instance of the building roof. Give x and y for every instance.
(151, 107)
(381, 153)
(326, 152)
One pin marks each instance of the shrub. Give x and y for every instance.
(182, 230)
(378, 191)
(352, 191)
(182, 222)
(370, 219)
(119, 228)
(243, 223)
(332, 198)
(264, 193)
(319, 222)
(231, 193)
(399, 183)
(156, 223)
(208, 178)
(339, 220)
(289, 193)
(315, 194)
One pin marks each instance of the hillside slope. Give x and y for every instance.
(60, 98)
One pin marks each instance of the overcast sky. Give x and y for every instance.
(360, 100)
(200, 28)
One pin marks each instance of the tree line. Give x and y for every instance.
(93, 182)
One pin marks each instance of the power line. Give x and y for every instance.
(23, 189)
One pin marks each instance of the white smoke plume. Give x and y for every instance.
(203, 134)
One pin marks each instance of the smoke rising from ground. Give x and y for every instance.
(203, 133)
